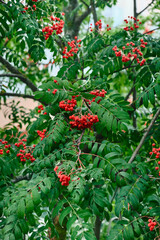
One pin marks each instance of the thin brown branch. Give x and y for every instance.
(151, 30)
(144, 137)
(131, 90)
(14, 70)
(84, 3)
(16, 95)
(145, 8)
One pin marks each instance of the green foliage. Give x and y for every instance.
(63, 181)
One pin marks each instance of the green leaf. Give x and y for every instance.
(64, 213)
(17, 232)
(145, 100)
(21, 208)
(151, 96)
(36, 196)
(94, 148)
(128, 233)
(70, 221)
(29, 204)
(47, 182)
(118, 208)
(8, 228)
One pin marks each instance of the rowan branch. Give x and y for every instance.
(16, 95)
(152, 30)
(94, 14)
(83, 16)
(84, 3)
(21, 178)
(144, 137)
(131, 90)
(145, 7)
(14, 70)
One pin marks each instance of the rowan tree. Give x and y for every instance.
(89, 165)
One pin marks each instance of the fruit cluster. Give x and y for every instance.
(130, 52)
(85, 121)
(99, 24)
(5, 146)
(1, 151)
(22, 152)
(64, 179)
(41, 133)
(156, 151)
(58, 26)
(151, 224)
(23, 156)
(74, 48)
(97, 93)
(68, 105)
(40, 107)
(54, 91)
(134, 26)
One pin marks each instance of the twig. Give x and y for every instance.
(146, 7)
(131, 90)
(152, 30)
(16, 95)
(144, 137)
(84, 3)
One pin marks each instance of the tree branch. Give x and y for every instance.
(145, 8)
(84, 3)
(14, 70)
(135, 8)
(16, 95)
(144, 137)
(83, 16)
(152, 30)
(21, 178)
(97, 227)
(94, 14)
(131, 90)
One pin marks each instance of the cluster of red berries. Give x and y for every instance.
(5, 146)
(85, 121)
(131, 56)
(108, 28)
(34, 0)
(96, 93)
(68, 105)
(22, 152)
(1, 151)
(58, 26)
(54, 91)
(156, 151)
(74, 48)
(64, 179)
(41, 133)
(99, 24)
(134, 26)
(40, 107)
(23, 156)
(151, 224)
